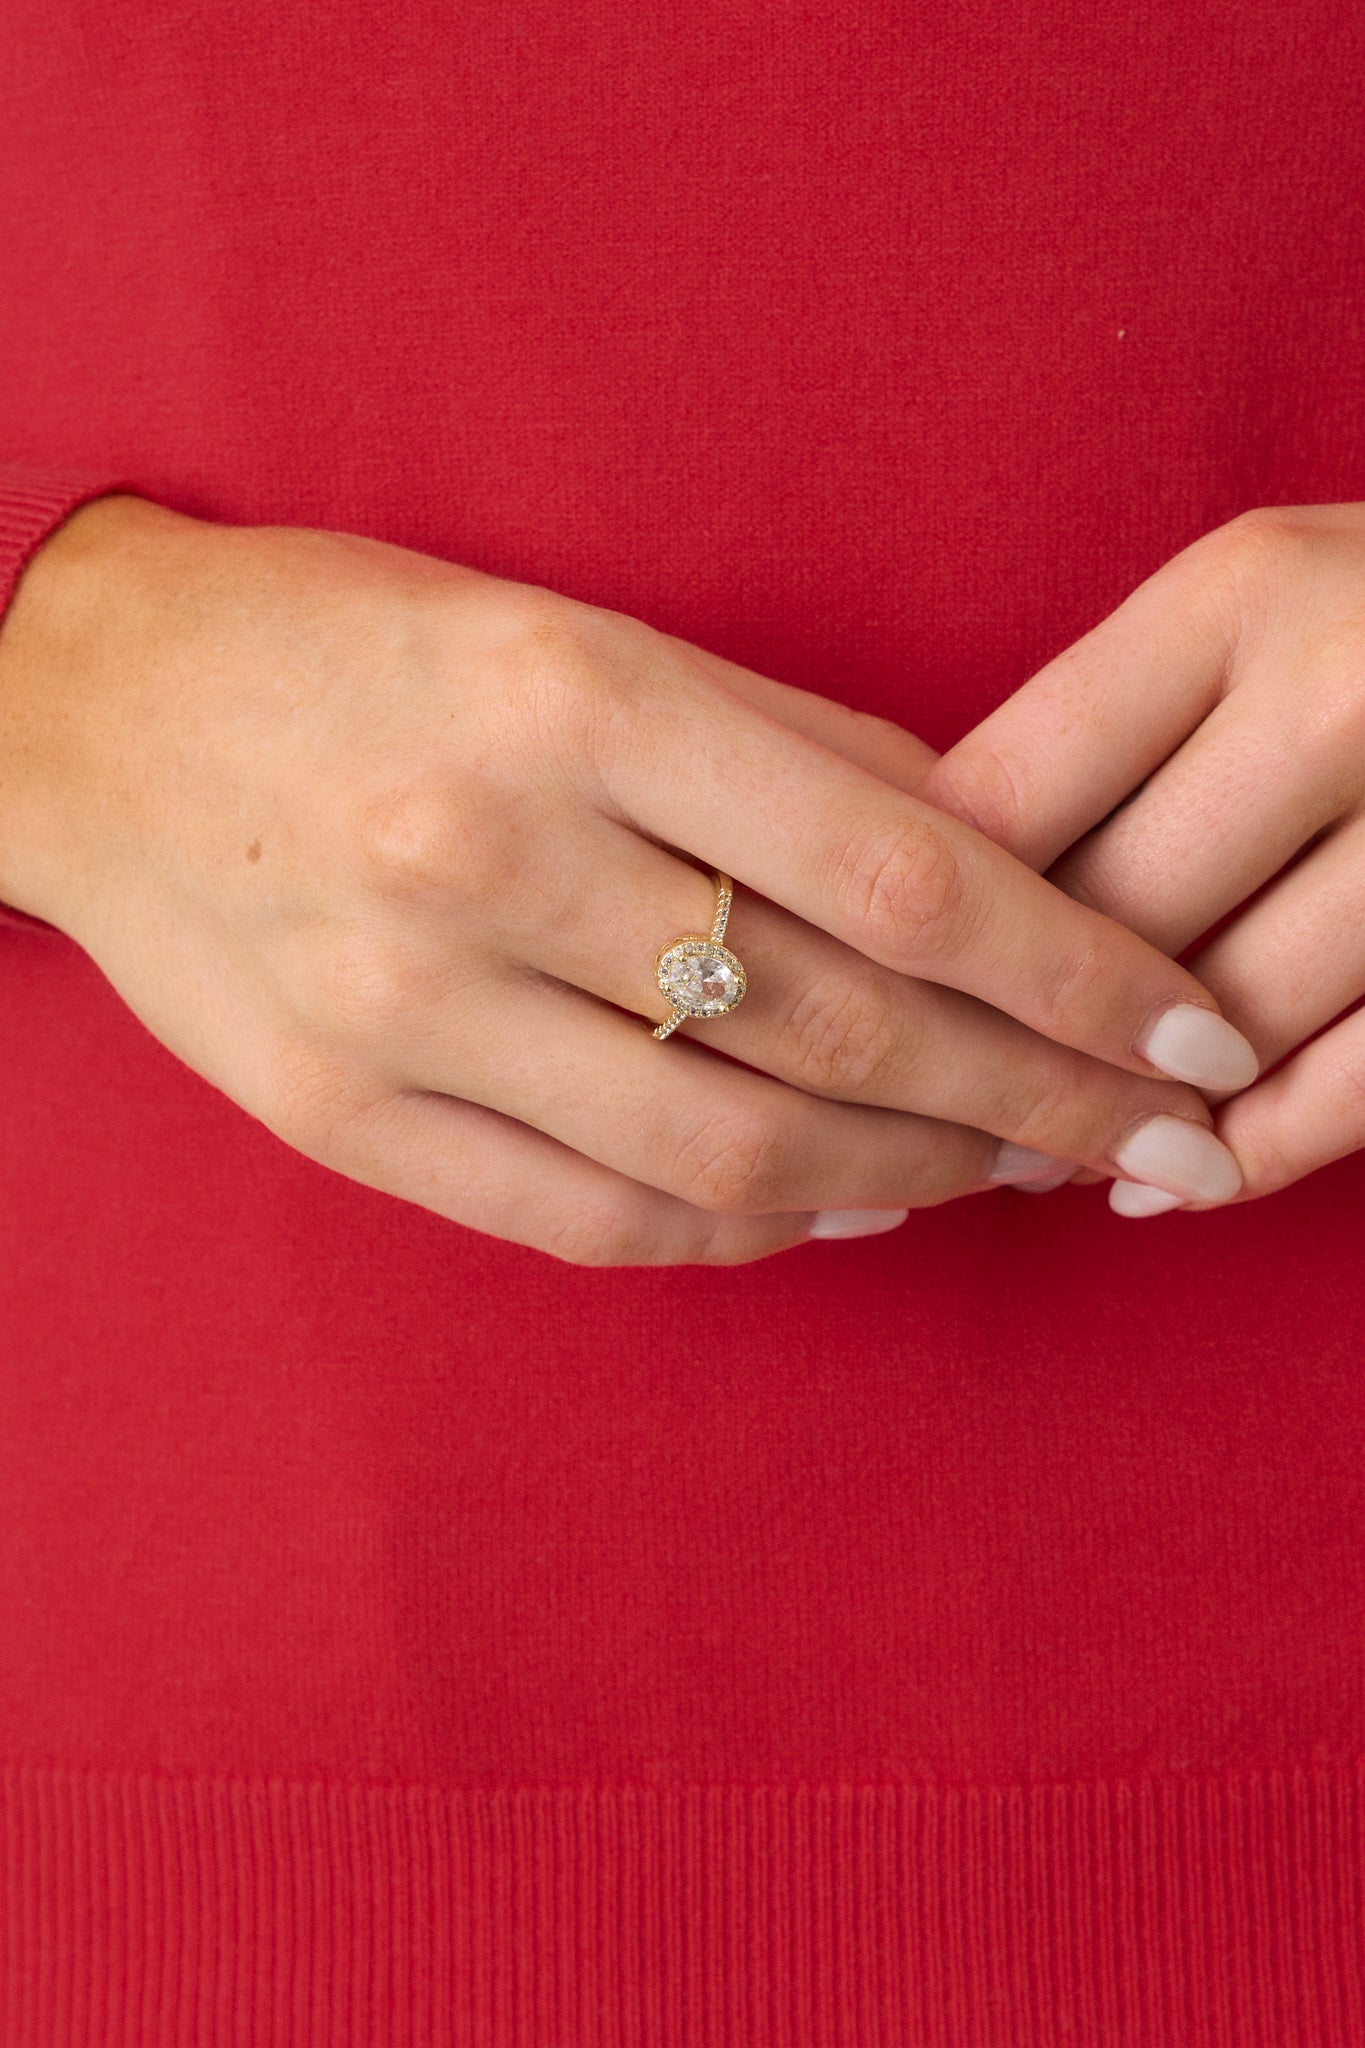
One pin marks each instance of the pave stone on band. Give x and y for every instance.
(700, 976)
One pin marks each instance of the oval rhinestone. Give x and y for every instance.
(701, 979)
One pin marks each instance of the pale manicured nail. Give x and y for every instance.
(1133, 1198)
(856, 1222)
(1015, 1163)
(1193, 1044)
(1183, 1157)
(1045, 1186)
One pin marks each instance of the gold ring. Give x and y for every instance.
(699, 976)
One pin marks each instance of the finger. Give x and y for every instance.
(1295, 958)
(876, 744)
(901, 882)
(820, 1016)
(483, 1170)
(706, 1130)
(1081, 734)
(1229, 809)
(1304, 1115)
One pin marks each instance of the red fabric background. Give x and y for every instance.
(881, 349)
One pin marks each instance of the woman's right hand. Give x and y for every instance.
(385, 847)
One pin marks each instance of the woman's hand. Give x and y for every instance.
(1221, 708)
(385, 848)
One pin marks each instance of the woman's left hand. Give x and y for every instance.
(1203, 746)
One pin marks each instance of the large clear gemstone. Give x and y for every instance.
(700, 979)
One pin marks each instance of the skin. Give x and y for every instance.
(384, 848)
(1203, 746)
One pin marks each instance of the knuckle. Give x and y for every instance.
(1055, 1117)
(611, 1237)
(315, 1105)
(362, 984)
(936, 1162)
(1259, 537)
(978, 786)
(907, 894)
(599, 1234)
(731, 1162)
(568, 675)
(554, 641)
(426, 840)
(721, 1245)
(1240, 565)
(1081, 985)
(838, 1038)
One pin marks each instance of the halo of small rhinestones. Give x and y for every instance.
(683, 976)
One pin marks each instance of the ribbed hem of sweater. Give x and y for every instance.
(1155, 1913)
(33, 503)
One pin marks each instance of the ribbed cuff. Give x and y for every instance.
(1224, 1911)
(33, 503)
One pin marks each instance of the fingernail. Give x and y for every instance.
(1044, 1186)
(856, 1222)
(1194, 1044)
(1016, 1163)
(1181, 1156)
(1133, 1198)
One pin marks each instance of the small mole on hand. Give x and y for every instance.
(253, 852)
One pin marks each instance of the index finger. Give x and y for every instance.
(910, 886)
(1089, 727)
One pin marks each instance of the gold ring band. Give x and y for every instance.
(699, 976)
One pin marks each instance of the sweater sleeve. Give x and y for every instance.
(33, 503)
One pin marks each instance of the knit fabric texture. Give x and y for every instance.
(949, 1639)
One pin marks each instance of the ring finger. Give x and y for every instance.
(828, 1021)
(709, 1131)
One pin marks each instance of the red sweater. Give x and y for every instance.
(406, 1638)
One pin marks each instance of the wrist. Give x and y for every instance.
(49, 643)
